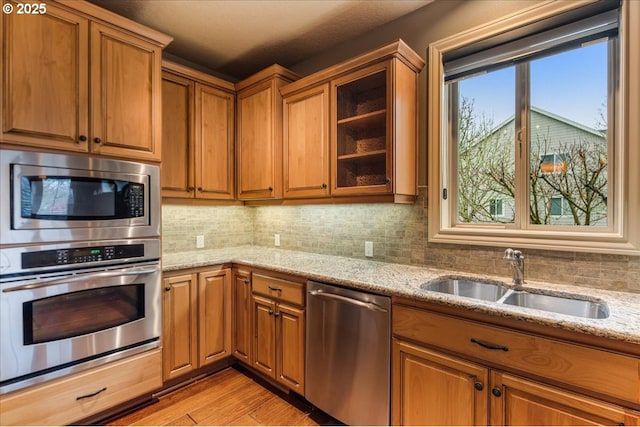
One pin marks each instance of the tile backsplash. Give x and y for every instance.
(398, 233)
(222, 226)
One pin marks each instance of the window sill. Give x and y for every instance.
(606, 243)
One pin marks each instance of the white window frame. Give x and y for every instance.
(622, 236)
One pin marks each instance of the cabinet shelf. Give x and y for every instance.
(370, 155)
(365, 119)
(362, 170)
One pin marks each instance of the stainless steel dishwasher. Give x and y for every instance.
(348, 354)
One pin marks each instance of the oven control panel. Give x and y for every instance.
(61, 257)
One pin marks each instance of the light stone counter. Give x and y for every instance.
(405, 280)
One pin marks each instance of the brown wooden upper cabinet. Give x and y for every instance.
(306, 143)
(370, 106)
(259, 133)
(198, 134)
(79, 78)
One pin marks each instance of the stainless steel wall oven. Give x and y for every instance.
(80, 276)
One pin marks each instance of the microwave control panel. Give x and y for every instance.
(135, 200)
(61, 257)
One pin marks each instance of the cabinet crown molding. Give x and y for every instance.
(199, 76)
(273, 71)
(396, 49)
(113, 19)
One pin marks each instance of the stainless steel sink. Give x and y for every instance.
(561, 305)
(467, 288)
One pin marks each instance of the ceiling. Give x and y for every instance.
(237, 38)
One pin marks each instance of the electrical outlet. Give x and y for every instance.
(276, 239)
(368, 249)
(200, 241)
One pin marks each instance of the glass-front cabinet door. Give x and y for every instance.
(362, 153)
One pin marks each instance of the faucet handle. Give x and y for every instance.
(508, 254)
(512, 254)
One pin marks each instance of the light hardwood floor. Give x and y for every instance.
(229, 397)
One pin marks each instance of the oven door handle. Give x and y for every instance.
(85, 276)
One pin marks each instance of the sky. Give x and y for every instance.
(571, 84)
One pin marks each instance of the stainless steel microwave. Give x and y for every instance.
(62, 197)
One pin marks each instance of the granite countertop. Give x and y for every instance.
(622, 324)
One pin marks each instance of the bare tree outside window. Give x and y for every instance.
(567, 159)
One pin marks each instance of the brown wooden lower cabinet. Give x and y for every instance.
(517, 401)
(433, 383)
(196, 320)
(278, 331)
(241, 303)
(431, 388)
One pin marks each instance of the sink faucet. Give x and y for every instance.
(515, 258)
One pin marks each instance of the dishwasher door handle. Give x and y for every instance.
(368, 305)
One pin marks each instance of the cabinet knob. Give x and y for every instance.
(200, 189)
(276, 314)
(496, 392)
(167, 288)
(97, 140)
(387, 180)
(478, 386)
(270, 189)
(324, 185)
(82, 138)
(270, 312)
(246, 281)
(190, 189)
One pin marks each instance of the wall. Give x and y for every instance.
(433, 22)
(398, 231)
(222, 226)
(399, 234)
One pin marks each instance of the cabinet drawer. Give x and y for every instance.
(283, 290)
(56, 402)
(601, 371)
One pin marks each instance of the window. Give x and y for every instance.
(495, 207)
(558, 206)
(530, 131)
(550, 163)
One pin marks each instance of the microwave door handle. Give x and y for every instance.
(101, 275)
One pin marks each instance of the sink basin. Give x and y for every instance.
(561, 305)
(467, 288)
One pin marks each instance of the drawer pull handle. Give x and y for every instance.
(489, 346)
(86, 396)
(275, 289)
